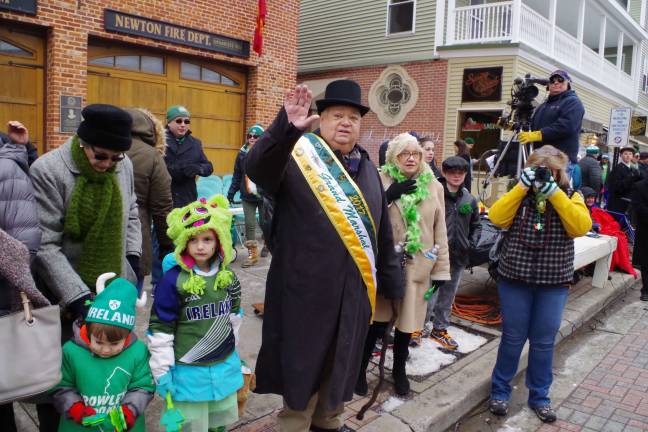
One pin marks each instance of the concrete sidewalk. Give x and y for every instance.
(436, 402)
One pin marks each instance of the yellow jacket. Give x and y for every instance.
(573, 212)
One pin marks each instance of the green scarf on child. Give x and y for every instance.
(95, 217)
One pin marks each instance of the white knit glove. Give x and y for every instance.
(527, 177)
(549, 188)
(236, 320)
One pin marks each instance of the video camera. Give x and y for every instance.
(522, 102)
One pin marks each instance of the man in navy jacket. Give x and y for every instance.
(558, 120)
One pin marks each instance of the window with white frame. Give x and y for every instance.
(400, 16)
(644, 75)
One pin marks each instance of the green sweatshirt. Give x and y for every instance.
(104, 383)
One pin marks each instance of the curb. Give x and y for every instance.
(444, 403)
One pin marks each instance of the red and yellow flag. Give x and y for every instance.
(257, 42)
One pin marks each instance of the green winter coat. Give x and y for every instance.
(104, 383)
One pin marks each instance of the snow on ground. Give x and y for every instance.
(428, 357)
(391, 404)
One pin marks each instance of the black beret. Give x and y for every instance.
(455, 163)
(106, 126)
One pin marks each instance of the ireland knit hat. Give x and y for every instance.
(106, 126)
(177, 111)
(194, 218)
(115, 304)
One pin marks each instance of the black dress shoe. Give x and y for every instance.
(344, 428)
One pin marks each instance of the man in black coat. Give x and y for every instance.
(640, 252)
(621, 180)
(558, 120)
(184, 157)
(317, 311)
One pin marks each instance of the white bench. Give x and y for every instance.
(588, 250)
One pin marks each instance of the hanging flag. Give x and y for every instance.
(257, 42)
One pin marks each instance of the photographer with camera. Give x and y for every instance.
(536, 267)
(558, 120)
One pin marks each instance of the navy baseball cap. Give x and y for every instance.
(561, 73)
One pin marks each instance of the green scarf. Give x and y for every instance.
(95, 217)
(409, 206)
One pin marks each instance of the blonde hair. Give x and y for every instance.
(552, 158)
(396, 147)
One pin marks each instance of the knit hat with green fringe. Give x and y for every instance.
(186, 222)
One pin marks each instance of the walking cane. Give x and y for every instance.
(383, 350)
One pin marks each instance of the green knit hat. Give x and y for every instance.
(592, 149)
(255, 129)
(115, 304)
(177, 111)
(186, 222)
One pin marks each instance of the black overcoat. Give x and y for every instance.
(619, 184)
(640, 206)
(185, 162)
(316, 304)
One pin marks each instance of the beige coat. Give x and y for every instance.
(419, 270)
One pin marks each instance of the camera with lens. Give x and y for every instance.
(522, 102)
(542, 174)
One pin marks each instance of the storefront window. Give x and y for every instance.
(481, 127)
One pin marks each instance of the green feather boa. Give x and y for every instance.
(95, 218)
(409, 206)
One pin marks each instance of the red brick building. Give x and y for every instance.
(59, 55)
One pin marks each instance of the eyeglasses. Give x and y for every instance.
(104, 157)
(557, 79)
(185, 121)
(253, 136)
(406, 155)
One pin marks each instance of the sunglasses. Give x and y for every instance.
(253, 136)
(185, 121)
(557, 79)
(104, 157)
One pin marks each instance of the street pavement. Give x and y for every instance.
(584, 367)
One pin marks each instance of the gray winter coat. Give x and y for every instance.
(591, 173)
(54, 175)
(18, 214)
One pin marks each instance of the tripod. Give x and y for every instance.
(521, 160)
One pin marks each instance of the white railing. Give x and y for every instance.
(483, 23)
(496, 22)
(566, 48)
(535, 29)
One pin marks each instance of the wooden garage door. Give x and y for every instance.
(22, 60)
(213, 93)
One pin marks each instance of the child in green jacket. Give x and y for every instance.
(107, 382)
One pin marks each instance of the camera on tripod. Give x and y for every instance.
(522, 103)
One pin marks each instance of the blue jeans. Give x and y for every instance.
(534, 313)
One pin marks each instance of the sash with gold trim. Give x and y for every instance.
(343, 203)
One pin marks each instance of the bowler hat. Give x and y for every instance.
(342, 92)
(106, 126)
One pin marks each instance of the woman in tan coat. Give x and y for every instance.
(417, 214)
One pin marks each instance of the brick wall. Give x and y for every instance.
(68, 24)
(426, 118)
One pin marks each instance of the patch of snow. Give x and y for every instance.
(391, 404)
(468, 342)
(428, 358)
(507, 428)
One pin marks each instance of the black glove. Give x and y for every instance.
(191, 170)
(78, 308)
(134, 262)
(395, 190)
(230, 199)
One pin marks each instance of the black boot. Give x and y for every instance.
(401, 351)
(376, 330)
